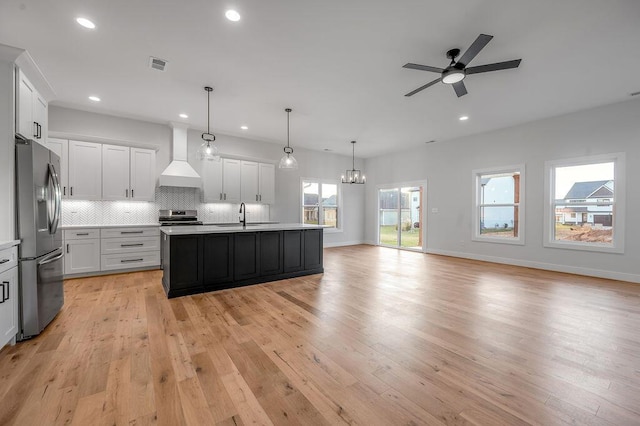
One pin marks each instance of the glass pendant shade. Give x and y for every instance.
(288, 161)
(208, 151)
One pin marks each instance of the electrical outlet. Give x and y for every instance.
(434, 210)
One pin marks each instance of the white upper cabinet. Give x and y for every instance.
(249, 182)
(85, 170)
(143, 174)
(61, 147)
(115, 172)
(221, 181)
(212, 187)
(231, 180)
(267, 183)
(128, 173)
(31, 110)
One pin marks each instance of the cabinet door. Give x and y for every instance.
(85, 170)
(212, 181)
(249, 182)
(293, 251)
(81, 256)
(271, 258)
(24, 107)
(185, 257)
(143, 174)
(246, 255)
(313, 249)
(61, 147)
(40, 116)
(218, 259)
(267, 182)
(115, 172)
(231, 180)
(8, 305)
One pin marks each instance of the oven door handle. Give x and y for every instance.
(51, 259)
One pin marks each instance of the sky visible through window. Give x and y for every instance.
(567, 176)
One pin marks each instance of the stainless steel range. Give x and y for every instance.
(178, 217)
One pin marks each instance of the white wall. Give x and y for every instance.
(447, 168)
(312, 164)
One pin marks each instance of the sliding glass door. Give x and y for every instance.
(400, 217)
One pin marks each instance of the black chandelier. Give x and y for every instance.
(353, 175)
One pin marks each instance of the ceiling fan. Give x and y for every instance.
(457, 71)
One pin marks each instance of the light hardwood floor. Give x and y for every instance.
(383, 337)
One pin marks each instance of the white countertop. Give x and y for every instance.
(121, 225)
(7, 244)
(218, 229)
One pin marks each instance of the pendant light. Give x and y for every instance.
(288, 161)
(208, 150)
(353, 175)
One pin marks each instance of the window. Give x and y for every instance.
(584, 203)
(499, 208)
(320, 203)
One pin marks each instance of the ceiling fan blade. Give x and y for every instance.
(422, 67)
(474, 49)
(494, 67)
(421, 88)
(460, 88)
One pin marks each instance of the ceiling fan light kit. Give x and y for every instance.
(288, 161)
(208, 150)
(354, 175)
(457, 71)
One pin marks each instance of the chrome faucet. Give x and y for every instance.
(243, 210)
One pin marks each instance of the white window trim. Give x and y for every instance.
(423, 184)
(340, 203)
(475, 174)
(618, 204)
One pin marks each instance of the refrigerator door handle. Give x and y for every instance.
(57, 197)
(51, 259)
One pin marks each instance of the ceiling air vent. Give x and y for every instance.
(157, 63)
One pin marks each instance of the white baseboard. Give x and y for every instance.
(342, 244)
(599, 273)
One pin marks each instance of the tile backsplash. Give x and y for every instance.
(82, 212)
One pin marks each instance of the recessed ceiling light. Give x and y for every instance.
(244, 127)
(184, 116)
(463, 118)
(94, 98)
(86, 23)
(431, 141)
(327, 149)
(232, 15)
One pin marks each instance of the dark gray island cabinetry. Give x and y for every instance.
(197, 259)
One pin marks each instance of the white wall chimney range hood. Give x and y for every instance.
(179, 172)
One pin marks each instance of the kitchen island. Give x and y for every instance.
(197, 259)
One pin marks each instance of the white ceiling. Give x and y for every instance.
(337, 63)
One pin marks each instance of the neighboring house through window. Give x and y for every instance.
(499, 205)
(585, 198)
(321, 202)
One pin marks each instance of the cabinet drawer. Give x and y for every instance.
(81, 234)
(112, 262)
(129, 244)
(8, 258)
(129, 232)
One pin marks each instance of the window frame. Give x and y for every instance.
(477, 188)
(617, 205)
(339, 204)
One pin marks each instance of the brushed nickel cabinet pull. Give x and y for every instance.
(131, 260)
(132, 245)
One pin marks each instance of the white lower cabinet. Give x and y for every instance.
(82, 251)
(126, 248)
(8, 295)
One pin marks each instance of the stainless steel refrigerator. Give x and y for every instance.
(39, 205)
